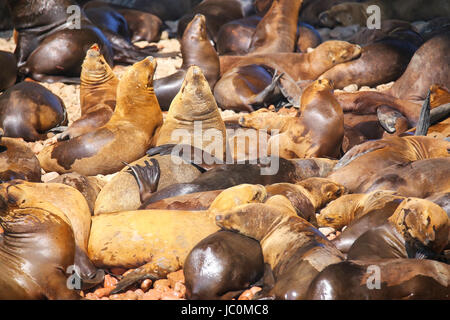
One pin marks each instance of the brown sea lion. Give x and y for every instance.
(400, 279)
(349, 13)
(365, 160)
(29, 110)
(318, 131)
(277, 30)
(125, 137)
(351, 207)
(417, 229)
(380, 62)
(30, 271)
(9, 72)
(239, 263)
(71, 205)
(188, 202)
(293, 248)
(143, 26)
(89, 187)
(196, 49)
(234, 37)
(308, 37)
(97, 95)
(419, 179)
(109, 20)
(18, 161)
(194, 109)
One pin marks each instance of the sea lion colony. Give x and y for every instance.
(309, 185)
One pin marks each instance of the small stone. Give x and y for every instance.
(175, 277)
(351, 88)
(326, 231)
(152, 294)
(146, 285)
(49, 176)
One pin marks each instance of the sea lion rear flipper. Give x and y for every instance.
(388, 117)
(424, 120)
(260, 98)
(161, 150)
(267, 282)
(141, 273)
(59, 129)
(146, 177)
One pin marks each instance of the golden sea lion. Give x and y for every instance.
(124, 138)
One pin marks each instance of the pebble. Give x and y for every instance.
(146, 285)
(326, 231)
(175, 277)
(351, 88)
(49, 176)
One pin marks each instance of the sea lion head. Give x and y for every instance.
(140, 75)
(322, 190)
(336, 51)
(439, 95)
(196, 29)
(94, 67)
(336, 214)
(422, 221)
(344, 14)
(238, 195)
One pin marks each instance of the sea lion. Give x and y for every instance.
(247, 88)
(351, 207)
(234, 37)
(239, 263)
(318, 131)
(106, 18)
(380, 62)
(143, 26)
(89, 187)
(30, 271)
(277, 30)
(400, 279)
(18, 161)
(365, 160)
(417, 229)
(188, 202)
(72, 207)
(216, 13)
(5, 16)
(123, 193)
(420, 179)
(125, 137)
(308, 37)
(28, 110)
(9, 72)
(293, 248)
(197, 50)
(194, 106)
(349, 13)
(97, 95)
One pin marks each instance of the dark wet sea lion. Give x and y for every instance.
(194, 105)
(417, 229)
(5, 17)
(277, 30)
(318, 131)
(124, 138)
(380, 62)
(109, 19)
(9, 70)
(143, 26)
(30, 271)
(197, 50)
(97, 95)
(29, 110)
(400, 279)
(238, 262)
(217, 13)
(365, 160)
(421, 179)
(293, 248)
(17, 161)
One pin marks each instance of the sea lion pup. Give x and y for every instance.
(124, 138)
(239, 263)
(28, 110)
(247, 88)
(400, 279)
(380, 62)
(97, 94)
(88, 186)
(196, 49)
(418, 229)
(294, 249)
(158, 241)
(349, 13)
(365, 160)
(9, 72)
(419, 179)
(350, 207)
(17, 161)
(194, 106)
(318, 131)
(73, 207)
(277, 30)
(36, 250)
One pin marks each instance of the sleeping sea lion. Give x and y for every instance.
(124, 138)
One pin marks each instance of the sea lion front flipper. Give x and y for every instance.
(388, 117)
(440, 113)
(59, 129)
(161, 150)
(141, 273)
(146, 177)
(424, 120)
